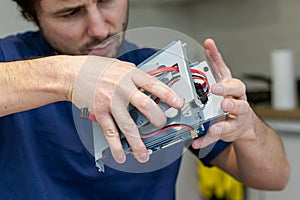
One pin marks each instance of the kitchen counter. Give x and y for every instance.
(268, 112)
(281, 120)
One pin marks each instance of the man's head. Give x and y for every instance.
(77, 27)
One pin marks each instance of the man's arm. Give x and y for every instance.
(105, 86)
(256, 155)
(259, 162)
(29, 84)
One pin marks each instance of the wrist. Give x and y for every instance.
(66, 69)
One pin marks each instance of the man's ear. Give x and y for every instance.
(30, 18)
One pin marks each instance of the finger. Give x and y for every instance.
(236, 107)
(110, 131)
(218, 131)
(130, 131)
(232, 87)
(231, 129)
(157, 88)
(215, 60)
(112, 136)
(148, 108)
(204, 141)
(142, 102)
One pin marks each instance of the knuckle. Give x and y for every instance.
(127, 66)
(101, 114)
(129, 127)
(131, 65)
(241, 107)
(241, 85)
(247, 107)
(110, 133)
(121, 69)
(145, 104)
(149, 85)
(167, 95)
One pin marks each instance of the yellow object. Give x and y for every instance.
(215, 182)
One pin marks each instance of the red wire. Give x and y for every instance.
(166, 128)
(199, 72)
(169, 69)
(162, 70)
(176, 69)
(204, 84)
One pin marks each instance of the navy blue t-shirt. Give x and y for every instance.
(42, 156)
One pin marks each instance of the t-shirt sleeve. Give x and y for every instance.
(1, 54)
(207, 154)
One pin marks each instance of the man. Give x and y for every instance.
(41, 154)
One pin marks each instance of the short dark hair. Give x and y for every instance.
(28, 9)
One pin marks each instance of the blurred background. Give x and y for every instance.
(246, 32)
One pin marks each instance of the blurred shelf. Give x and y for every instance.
(283, 121)
(269, 112)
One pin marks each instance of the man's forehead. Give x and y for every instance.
(67, 1)
(53, 5)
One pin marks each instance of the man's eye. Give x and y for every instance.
(104, 2)
(70, 14)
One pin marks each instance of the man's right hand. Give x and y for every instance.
(107, 86)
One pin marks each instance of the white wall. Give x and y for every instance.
(245, 30)
(166, 16)
(248, 30)
(11, 20)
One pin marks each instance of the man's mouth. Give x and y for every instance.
(103, 49)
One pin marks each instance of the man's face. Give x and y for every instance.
(76, 27)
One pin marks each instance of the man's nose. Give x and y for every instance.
(97, 25)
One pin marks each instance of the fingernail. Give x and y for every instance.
(143, 157)
(150, 151)
(230, 105)
(121, 158)
(178, 102)
(197, 144)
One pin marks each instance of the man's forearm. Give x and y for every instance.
(32, 83)
(258, 162)
(263, 159)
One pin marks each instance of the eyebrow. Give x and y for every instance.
(68, 9)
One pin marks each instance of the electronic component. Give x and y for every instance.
(190, 80)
